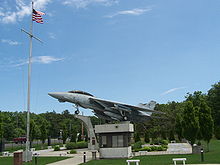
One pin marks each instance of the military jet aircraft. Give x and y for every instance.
(107, 110)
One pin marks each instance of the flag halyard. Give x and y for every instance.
(37, 16)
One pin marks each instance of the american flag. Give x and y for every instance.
(36, 16)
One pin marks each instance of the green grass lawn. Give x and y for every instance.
(213, 156)
(41, 160)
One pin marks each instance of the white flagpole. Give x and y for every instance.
(28, 156)
(29, 88)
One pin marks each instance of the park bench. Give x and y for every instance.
(6, 153)
(179, 159)
(135, 161)
(35, 153)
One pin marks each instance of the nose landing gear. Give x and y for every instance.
(125, 118)
(77, 109)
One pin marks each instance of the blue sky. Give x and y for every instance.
(128, 51)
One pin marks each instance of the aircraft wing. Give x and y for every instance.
(120, 106)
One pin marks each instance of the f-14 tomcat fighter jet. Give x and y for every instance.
(105, 109)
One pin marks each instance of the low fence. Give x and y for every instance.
(141, 153)
(12, 145)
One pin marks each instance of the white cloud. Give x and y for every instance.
(136, 12)
(52, 35)
(46, 59)
(10, 42)
(20, 9)
(172, 90)
(40, 60)
(84, 3)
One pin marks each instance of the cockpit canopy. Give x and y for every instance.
(81, 92)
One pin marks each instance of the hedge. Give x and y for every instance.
(73, 145)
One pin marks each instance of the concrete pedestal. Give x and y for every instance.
(92, 141)
(114, 140)
(111, 153)
(27, 156)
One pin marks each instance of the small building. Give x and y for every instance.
(115, 140)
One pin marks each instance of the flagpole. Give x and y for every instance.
(27, 154)
(29, 88)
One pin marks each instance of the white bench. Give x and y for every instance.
(135, 161)
(6, 153)
(35, 153)
(179, 159)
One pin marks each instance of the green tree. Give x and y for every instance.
(34, 131)
(171, 135)
(19, 132)
(190, 122)
(146, 137)
(73, 135)
(1, 126)
(179, 127)
(137, 137)
(203, 112)
(214, 103)
(197, 98)
(43, 131)
(205, 122)
(217, 132)
(8, 127)
(64, 133)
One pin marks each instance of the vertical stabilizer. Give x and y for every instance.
(151, 105)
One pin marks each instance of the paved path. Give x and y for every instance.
(76, 159)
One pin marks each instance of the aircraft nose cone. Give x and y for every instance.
(56, 95)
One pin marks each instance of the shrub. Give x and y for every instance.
(153, 148)
(199, 143)
(71, 145)
(82, 144)
(56, 148)
(156, 141)
(159, 148)
(165, 146)
(145, 149)
(164, 142)
(137, 145)
(73, 152)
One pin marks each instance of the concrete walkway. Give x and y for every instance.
(75, 158)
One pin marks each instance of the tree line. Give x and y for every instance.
(50, 124)
(194, 119)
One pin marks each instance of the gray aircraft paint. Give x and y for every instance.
(105, 109)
